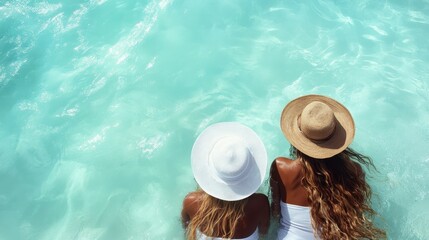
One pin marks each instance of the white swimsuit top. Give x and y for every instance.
(254, 236)
(295, 223)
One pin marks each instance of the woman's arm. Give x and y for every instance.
(190, 207)
(184, 215)
(264, 222)
(275, 190)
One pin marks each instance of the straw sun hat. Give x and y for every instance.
(318, 126)
(229, 161)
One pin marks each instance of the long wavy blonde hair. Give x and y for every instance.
(339, 196)
(216, 217)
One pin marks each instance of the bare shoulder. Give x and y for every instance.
(258, 197)
(284, 164)
(190, 207)
(258, 200)
(191, 198)
(280, 161)
(288, 170)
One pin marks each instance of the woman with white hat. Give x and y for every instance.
(229, 162)
(322, 194)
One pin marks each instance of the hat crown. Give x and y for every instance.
(230, 158)
(317, 121)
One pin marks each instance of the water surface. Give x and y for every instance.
(101, 100)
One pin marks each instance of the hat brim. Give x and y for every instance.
(211, 184)
(340, 139)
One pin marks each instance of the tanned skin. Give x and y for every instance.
(256, 214)
(285, 183)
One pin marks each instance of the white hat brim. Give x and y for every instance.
(203, 174)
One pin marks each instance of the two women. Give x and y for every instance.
(322, 194)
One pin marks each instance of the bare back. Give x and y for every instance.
(285, 183)
(256, 213)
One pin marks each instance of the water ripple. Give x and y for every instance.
(23, 7)
(98, 97)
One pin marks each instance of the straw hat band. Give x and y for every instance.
(229, 158)
(317, 121)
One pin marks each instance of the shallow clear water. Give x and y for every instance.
(101, 100)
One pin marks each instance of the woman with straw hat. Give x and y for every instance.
(323, 193)
(229, 162)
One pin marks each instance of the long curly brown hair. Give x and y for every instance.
(339, 196)
(216, 217)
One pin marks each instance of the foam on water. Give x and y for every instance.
(101, 100)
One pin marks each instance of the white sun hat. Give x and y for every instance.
(229, 161)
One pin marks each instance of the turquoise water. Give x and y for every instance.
(101, 100)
